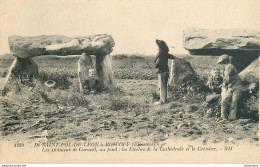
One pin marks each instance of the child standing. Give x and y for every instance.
(161, 64)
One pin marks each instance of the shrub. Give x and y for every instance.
(119, 57)
(137, 57)
(156, 96)
(3, 74)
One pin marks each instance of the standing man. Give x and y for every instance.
(231, 89)
(161, 64)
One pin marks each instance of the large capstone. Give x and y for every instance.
(26, 47)
(196, 40)
(251, 73)
(242, 45)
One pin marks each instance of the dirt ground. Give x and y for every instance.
(127, 114)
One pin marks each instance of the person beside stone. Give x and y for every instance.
(92, 85)
(161, 64)
(215, 81)
(231, 89)
(85, 65)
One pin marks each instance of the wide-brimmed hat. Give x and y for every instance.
(224, 59)
(162, 45)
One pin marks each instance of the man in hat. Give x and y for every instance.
(161, 64)
(231, 89)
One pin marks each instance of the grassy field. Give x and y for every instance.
(124, 66)
(125, 112)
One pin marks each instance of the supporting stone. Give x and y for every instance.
(251, 73)
(105, 70)
(9, 74)
(24, 69)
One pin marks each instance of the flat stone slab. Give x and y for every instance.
(203, 41)
(27, 47)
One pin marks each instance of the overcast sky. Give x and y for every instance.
(134, 24)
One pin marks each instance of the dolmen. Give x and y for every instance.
(242, 44)
(25, 48)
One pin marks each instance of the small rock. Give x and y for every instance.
(204, 141)
(113, 123)
(60, 107)
(231, 139)
(181, 125)
(190, 123)
(10, 93)
(94, 130)
(212, 98)
(163, 127)
(243, 121)
(157, 103)
(180, 114)
(145, 118)
(209, 113)
(216, 140)
(192, 108)
(19, 111)
(40, 121)
(45, 133)
(162, 138)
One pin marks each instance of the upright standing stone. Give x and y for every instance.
(251, 73)
(104, 70)
(181, 71)
(24, 69)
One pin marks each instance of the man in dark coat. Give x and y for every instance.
(161, 64)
